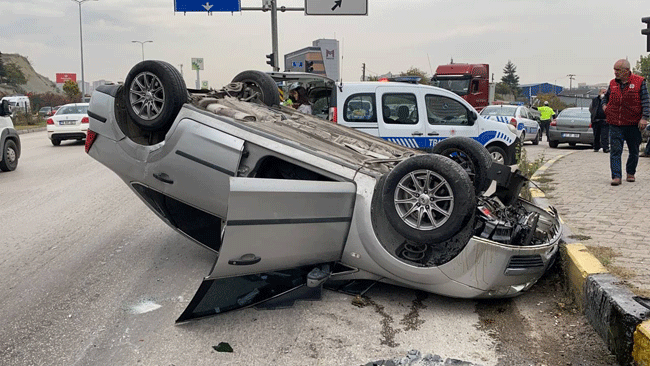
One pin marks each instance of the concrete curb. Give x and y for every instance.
(28, 130)
(608, 304)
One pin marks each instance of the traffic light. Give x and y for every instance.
(271, 60)
(309, 66)
(646, 32)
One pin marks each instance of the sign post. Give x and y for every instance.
(197, 64)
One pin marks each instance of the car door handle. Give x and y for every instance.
(416, 134)
(163, 177)
(245, 260)
(433, 133)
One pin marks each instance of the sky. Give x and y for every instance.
(546, 39)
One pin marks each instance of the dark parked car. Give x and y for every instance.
(572, 126)
(290, 201)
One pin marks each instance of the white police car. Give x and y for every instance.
(519, 116)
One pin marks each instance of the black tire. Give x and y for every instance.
(407, 199)
(154, 93)
(9, 157)
(498, 155)
(553, 143)
(471, 156)
(537, 138)
(259, 87)
(56, 142)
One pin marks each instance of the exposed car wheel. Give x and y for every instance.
(259, 87)
(471, 156)
(497, 154)
(428, 198)
(9, 160)
(537, 138)
(155, 92)
(553, 143)
(56, 142)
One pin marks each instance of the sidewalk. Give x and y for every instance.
(614, 224)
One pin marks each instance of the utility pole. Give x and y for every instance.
(363, 77)
(571, 80)
(273, 7)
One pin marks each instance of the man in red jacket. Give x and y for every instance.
(627, 107)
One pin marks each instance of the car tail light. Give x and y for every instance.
(333, 115)
(590, 126)
(513, 122)
(554, 123)
(50, 121)
(85, 120)
(90, 139)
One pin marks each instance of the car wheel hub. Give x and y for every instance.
(11, 155)
(147, 96)
(424, 200)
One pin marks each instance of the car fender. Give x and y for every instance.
(10, 134)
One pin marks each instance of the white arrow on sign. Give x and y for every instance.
(207, 6)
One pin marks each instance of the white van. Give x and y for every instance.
(18, 103)
(413, 115)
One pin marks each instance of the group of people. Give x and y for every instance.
(619, 114)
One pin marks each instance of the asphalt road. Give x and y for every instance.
(90, 276)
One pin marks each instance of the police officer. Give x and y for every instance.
(546, 113)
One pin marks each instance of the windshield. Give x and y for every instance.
(459, 87)
(73, 109)
(575, 113)
(508, 111)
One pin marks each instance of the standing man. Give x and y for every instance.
(546, 113)
(627, 107)
(599, 122)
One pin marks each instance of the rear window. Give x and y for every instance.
(575, 113)
(507, 111)
(360, 108)
(79, 109)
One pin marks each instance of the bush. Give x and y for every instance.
(24, 119)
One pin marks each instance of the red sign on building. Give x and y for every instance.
(61, 78)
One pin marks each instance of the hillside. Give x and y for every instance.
(36, 83)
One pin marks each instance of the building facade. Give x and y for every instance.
(321, 58)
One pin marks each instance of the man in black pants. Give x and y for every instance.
(599, 123)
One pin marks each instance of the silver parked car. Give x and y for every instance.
(291, 202)
(573, 126)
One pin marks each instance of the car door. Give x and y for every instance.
(447, 117)
(530, 126)
(194, 166)
(276, 232)
(399, 117)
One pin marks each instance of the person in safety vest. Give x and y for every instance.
(546, 113)
(627, 107)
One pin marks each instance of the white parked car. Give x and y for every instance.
(69, 123)
(519, 116)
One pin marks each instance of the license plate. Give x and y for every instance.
(571, 135)
(63, 123)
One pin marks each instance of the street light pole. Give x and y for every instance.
(81, 41)
(142, 44)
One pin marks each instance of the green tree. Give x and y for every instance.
(14, 75)
(71, 89)
(642, 68)
(510, 78)
(414, 71)
(553, 101)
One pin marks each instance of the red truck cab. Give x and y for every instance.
(470, 81)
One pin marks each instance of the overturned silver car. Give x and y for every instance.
(290, 201)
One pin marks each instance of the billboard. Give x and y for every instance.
(61, 78)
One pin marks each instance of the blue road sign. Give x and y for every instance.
(207, 5)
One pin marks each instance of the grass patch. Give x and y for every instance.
(542, 179)
(528, 168)
(27, 127)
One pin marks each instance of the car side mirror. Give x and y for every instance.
(473, 116)
(5, 109)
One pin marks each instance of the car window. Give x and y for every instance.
(79, 109)
(523, 112)
(400, 108)
(446, 111)
(360, 108)
(508, 111)
(575, 113)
